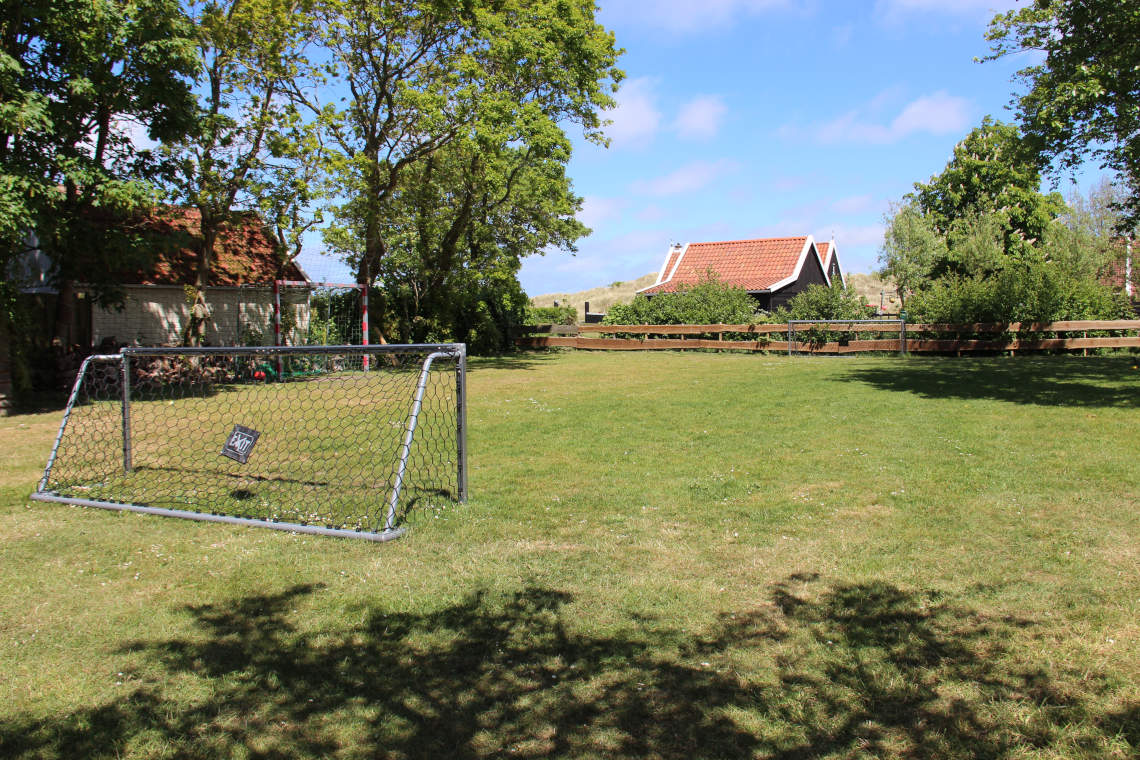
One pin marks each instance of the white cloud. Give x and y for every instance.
(938, 113)
(701, 117)
(598, 262)
(137, 133)
(597, 210)
(855, 204)
(636, 118)
(651, 213)
(686, 179)
(688, 15)
(854, 236)
(858, 244)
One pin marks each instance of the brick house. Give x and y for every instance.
(155, 306)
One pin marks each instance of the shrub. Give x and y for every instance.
(708, 302)
(1029, 292)
(821, 302)
(547, 315)
(824, 302)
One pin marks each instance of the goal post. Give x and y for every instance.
(298, 438)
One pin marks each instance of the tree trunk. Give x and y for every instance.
(195, 331)
(5, 364)
(63, 333)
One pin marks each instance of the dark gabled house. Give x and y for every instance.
(772, 270)
(829, 256)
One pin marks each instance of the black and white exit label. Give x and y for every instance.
(240, 443)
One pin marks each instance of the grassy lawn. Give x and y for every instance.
(664, 556)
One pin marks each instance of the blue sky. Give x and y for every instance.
(763, 118)
(757, 118)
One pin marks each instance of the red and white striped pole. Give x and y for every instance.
(364, 321)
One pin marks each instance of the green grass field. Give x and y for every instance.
(664, 556)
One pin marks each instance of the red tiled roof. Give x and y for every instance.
(754, 265)
(824, 253)
(1115, 275)
(245, 253)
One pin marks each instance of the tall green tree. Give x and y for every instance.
(247, 133)
(1086, 240)
(994, 177)
(76, 77)
(1083, 99)
(422, 76)
(459, 226)
(910, 248)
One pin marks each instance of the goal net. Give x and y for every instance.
(320, 314)
(342, 440)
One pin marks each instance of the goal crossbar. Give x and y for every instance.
(121, 372)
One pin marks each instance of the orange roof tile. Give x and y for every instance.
(245, 253)
(754, 265)
(824, 253)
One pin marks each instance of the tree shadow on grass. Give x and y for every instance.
(516, 360)
(820, 671)
(1042, 381)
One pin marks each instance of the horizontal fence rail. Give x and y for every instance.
(853, 337)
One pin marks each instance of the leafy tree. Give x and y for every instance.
(1082, 98)
(76, 75)
(1085, 241)
(470, 209)
(425, 76)
(1032, 291)
(976, 245)
(249, 53)
(993, 175)
(910, 248)
(823, 302)
(558, 315)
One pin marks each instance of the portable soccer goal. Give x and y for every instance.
(349, 441)
(845, 336)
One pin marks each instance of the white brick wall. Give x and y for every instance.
(154, 315)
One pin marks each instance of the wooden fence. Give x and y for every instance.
(992, 337)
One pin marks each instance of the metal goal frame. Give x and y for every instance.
(371, 356)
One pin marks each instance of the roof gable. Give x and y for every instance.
(763, 264)
(828, 252)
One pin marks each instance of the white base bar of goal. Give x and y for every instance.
(386, 535)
